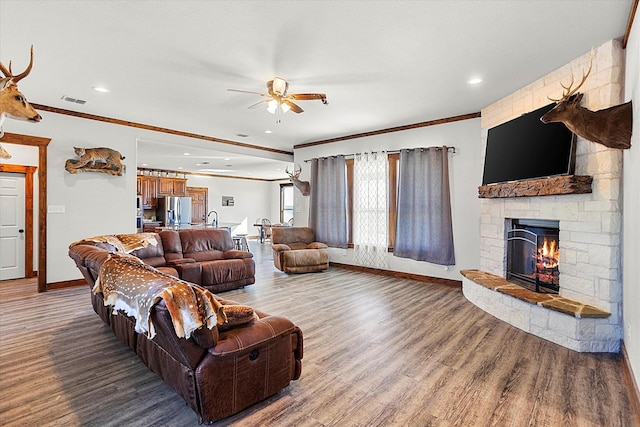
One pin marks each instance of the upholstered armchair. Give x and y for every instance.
(296, 251)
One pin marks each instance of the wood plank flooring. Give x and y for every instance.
(378, 351)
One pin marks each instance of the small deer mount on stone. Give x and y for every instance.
(303, 186)
(610, 127)
(99, 159)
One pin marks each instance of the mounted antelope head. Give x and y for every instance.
(14, 104)
(610, 127)
(303, 186)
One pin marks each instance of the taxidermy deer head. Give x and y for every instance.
(14, 104)
(610, 127)
(303, 186)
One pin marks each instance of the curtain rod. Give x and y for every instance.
(449, 149)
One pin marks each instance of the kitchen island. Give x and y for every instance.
(229, 226)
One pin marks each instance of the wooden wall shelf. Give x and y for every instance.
(566, 184)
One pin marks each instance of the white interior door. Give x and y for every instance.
(12, 218)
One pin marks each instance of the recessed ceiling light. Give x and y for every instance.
(268, 131)
(180, 167)
(227, 158)
(145, 164)
(475, 81)
(101, 89)
(187, 154)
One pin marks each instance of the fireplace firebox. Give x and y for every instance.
(533, 248)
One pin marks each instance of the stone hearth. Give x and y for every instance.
(548, 301)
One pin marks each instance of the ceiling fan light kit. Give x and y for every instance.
(279, 100)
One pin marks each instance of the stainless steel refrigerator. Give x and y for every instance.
(174, 211)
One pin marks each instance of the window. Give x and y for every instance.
(286, 202)
(394, 159)
(370, 209)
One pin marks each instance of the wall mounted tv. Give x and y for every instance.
(526, 148)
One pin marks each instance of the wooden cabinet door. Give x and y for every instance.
(148, 191)
(139, 185)
(199, 197)
(179, 187)
(165, 186)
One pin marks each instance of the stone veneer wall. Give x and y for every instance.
(590, 224)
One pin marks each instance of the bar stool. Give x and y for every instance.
(240, 242)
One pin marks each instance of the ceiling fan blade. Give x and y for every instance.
(307, 96)
(258, 103)
(247, 91)
(295, 108)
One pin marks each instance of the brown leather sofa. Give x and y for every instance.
(217, 372)
(206, 257)
(296, 251)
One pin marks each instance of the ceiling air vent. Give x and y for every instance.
(242, 135)
(74, 100)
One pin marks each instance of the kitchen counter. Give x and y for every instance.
(229, 226)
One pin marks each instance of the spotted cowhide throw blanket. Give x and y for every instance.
(125, 243)
(133, 287)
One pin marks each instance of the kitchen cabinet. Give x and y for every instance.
(148, 190)
(150, 187)
(171, 186)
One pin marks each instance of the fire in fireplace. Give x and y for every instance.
(533, 254)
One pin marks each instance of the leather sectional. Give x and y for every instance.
(219, 371)
(206, 257)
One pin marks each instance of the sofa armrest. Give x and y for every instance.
(179, 261)
(279, 247)
(234, 254)
(244, 337)
(317, 245)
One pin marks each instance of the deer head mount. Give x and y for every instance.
(294, 174)
(610, 127)
(14, 104)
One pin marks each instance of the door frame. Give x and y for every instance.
(41, 143)
(27, 171)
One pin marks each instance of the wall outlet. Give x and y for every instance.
(55, 209)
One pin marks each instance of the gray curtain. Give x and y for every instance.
(328, 201)
(424, 231)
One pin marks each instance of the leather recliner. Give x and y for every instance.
(296, 251)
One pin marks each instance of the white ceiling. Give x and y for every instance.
(381, 63)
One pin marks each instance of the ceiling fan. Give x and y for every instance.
(278, 98)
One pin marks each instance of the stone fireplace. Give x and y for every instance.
(589, 233)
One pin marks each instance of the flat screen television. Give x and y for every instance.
(526, 148)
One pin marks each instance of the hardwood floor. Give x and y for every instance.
(378, 351)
